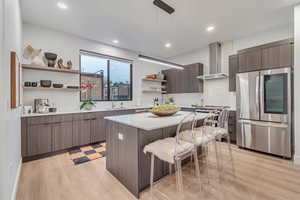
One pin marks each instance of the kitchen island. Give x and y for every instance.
(126, 137)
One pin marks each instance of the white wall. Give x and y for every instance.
(10, 145)
(68, 46)
(297, 83)
(216, 91)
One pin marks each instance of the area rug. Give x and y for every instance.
(88, 153)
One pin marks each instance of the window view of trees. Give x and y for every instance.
(95, 74)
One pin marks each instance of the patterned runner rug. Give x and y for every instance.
(88, 153)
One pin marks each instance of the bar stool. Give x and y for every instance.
(201, 137)
(218, 129)
(220, 132)
(173, 150)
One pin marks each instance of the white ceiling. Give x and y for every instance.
(142, 27)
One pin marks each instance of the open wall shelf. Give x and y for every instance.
(52, 69)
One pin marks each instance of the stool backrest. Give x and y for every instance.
(223, 119)
(188, 122)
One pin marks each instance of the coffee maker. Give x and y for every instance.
(41, 105)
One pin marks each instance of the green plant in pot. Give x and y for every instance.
(170, 101)
(89, 103)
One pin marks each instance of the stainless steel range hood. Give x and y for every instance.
(215, 69)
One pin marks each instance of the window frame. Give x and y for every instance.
(109, 58)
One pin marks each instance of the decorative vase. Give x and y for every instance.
(88, 107)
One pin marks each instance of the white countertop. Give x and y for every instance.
(148, 121)
(84, 111)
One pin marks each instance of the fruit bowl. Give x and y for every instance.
(164, 110)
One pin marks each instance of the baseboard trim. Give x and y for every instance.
(15, 189)
(297, 159)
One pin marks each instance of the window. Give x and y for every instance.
(105, 78)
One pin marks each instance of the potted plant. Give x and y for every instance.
(89, 103)
(170, 101)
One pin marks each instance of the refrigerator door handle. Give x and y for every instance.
(266, 124)
(257, 94)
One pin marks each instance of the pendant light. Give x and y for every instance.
(156, 60)
(160, 62)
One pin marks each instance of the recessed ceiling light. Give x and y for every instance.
(115, 41)
(168, 45)
(62, 5)
(210, 28)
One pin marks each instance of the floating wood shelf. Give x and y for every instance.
(154, 91)
(52, 69)
(154, 80)
(51, 88)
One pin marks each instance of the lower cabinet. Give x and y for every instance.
(62, 135)
(46, 134)
(232, 126)
(98, 128)
(39, 138)
(81, 132)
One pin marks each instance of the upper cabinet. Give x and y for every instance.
(249, 60)
(233, 68)
(277, 55)
(269, 56)
(184, 81)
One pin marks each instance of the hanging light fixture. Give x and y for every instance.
(160, 62)
(169, 10)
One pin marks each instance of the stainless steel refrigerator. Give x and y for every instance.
(264, 111)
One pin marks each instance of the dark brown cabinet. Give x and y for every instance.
(82, 131)
(233, 68)
(62, 134)
(268, 56)
(249, 60)
(46, 134)
(98, 128)
(277, 55)
(39, 138)
(184, 81)
(232, 126)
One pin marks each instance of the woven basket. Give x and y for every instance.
(163, 113)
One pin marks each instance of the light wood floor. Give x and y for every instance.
(258, 177)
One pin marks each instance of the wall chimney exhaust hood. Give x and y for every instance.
(215, 69)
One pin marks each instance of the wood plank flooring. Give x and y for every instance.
(257, 177)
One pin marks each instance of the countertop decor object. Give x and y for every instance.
(60, 63)
(46, 83)
(164, 110)
(56, 85)
(69, 64)
(51, 58)
(52, 110)
(27, 84)
(34, 84)
(151, 76)
(72, 87)
(87, 105)
(35, 56)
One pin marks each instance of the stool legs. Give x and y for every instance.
(179, 176)
(152, 172)
(230, 154)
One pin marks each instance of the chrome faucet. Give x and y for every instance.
(121, 104)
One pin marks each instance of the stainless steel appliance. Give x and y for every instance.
(41, 105)
(264, 111)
